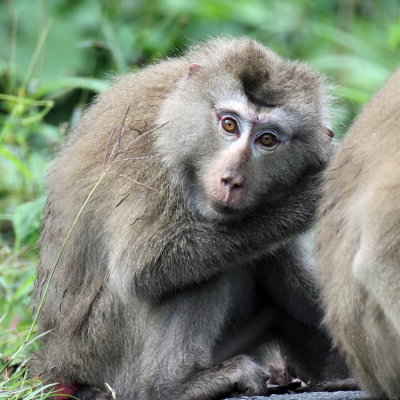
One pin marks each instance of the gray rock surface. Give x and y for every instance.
(356, 395)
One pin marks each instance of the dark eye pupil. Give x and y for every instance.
(268, 140)
(229, 124)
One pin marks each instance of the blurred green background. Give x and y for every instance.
(56, 54)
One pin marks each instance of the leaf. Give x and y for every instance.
(70, 83)
(16, 162)
(26, 221)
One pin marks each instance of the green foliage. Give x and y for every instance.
(56, 54)
(18, 387)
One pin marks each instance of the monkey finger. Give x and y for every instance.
(91, 393)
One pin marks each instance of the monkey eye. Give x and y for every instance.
(269, 139)
(230, 125)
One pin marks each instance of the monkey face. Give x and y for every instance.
(248, 159)
(245, 138)
(259, 159)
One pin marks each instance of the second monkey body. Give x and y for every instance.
(359, 244)
(212, 165)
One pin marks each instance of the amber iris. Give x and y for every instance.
(268, 139)
(229, 125)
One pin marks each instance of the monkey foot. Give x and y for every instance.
(80, 392)
(64, 391)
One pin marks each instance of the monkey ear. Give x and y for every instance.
(194, 67)
(329, 132)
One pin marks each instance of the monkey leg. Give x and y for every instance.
(176, 360)
(91, 393)
(375, 269)
(307, 349)
(288, 293)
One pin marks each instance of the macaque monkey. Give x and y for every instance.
(359, 244)
(210, 167)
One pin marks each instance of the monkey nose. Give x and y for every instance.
(231, 188)
(232, 182)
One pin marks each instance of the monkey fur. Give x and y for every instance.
(211, 165)
(359, 244)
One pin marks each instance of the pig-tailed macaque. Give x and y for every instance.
(212, 166)
(359, 244)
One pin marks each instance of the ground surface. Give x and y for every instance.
(356, 395)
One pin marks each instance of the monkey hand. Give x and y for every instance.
(237, 377)
(91, 393)
(248, 378)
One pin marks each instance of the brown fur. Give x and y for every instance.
(154, 282)
(359, 244)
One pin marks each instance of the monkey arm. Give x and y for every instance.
(178, 250)
(186, 256)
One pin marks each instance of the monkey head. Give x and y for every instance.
(247, 126)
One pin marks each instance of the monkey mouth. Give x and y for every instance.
(226, 208)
